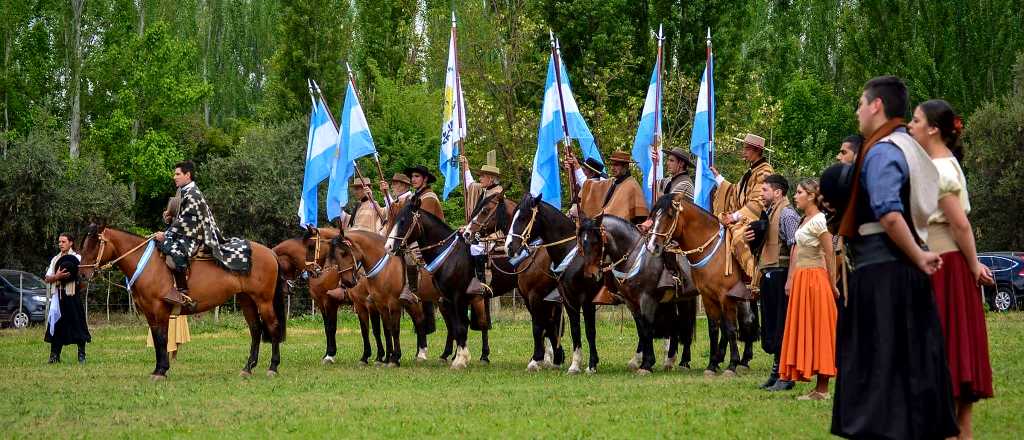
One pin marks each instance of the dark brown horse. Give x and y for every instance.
(614, 247)
(360, 259)
(530, 276)
(701, 238)
(536, 219)
(260, 292)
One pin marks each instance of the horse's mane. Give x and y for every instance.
(408, 207)
(95, 230)
(501, 218)
(665, 203)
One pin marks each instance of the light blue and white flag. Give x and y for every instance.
(321, 149)
(703, 137)
(545, 163)
(453, 125)
(649, 128)
(354, 142)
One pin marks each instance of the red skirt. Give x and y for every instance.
(958, 302)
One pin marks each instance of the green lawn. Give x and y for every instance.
(204, 396)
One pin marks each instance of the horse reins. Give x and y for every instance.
(675, 219)
(111, 263)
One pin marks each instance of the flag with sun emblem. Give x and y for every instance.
(453, 127)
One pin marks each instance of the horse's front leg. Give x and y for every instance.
(449, 325)
(590, 319)
(731, 332)
(577, 340)
(538, 344)
(160, 347)
(713, 358)
(460, 319)
(329, 311)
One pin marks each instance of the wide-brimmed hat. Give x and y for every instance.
(401, 178)
(682, 155)
(752, 140)
(421, 170)
(491, 167)
(594, 166)
(621, 157)
(359, 182)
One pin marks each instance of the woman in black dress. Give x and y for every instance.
(66, 318)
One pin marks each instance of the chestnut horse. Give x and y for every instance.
(530, 276)
(360, 259)
(702, 237)
(260, 292)
(297, 263)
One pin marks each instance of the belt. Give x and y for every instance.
(872, 249)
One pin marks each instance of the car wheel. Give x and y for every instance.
(1003, 300)
(19, 320)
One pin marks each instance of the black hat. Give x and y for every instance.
(421, 170)
(595, 166)
(836, 186)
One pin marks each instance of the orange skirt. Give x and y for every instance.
(809, 341)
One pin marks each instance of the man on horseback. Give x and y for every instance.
(739, 205)
(772, 238)
(676, 277)
(477, 192)
(192, 229)
(421, 178)
(363, 212)
(620, 196)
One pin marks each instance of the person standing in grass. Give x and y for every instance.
(809, 340)
(957, 296)
(177, 334)
(65, 319)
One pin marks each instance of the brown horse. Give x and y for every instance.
(360, 259)
(304, 257)
(260, 292)
(530, 276)
(702, 239)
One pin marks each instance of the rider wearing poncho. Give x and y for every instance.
(477, 192)
(193, 228)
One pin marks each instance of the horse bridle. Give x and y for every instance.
(356, 267)
(314, 265)
(678, 207)
(408, 232)
(473, 221)
(98, 265)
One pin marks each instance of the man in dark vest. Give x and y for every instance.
(772, 238)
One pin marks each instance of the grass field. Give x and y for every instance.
(112, 396)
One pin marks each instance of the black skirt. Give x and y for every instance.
(71, 328)
(893, 381)
(774, 303)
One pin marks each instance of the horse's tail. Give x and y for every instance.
(748, 325)
(279, 310)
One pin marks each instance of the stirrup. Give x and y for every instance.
(409, 297)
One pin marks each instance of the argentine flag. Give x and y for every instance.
(702, 139)
(354, 142)
(650, 125)
(453, 125)
(321, 149)
(545, 163)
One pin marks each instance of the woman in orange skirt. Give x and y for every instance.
(809, 340)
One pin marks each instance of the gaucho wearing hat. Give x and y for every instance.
(739, 205)
(620, 195)
(421, 179)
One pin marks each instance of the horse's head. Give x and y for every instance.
(94, 251)
(591, 239)
(345, 255)
(406, 228)
(315, 254)
(521, 227)
(485, 217)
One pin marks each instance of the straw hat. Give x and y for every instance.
(621, 157)
(752, 140)
(491, 167)
(681, 155)
(401, 178)
(359, 182)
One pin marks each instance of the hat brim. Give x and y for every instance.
(748, 144)
(682, 157)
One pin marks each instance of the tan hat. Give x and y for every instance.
(359, 182)
(491, 166)
(401, 178)
(621, 157)
(752, 140)
(681, 155)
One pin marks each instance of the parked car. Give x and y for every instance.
(1008, 271)
(24, 289)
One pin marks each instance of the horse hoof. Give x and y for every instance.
(485, 361)
(157, 377)
(271, 373)
(391, 365)
(548, 364)
(533, 366)
(669, 367)
(363, 362)
(642, 372)
(377, 363)
(729, 373)
(457, 365)
(327, 360)
(685, 365)
(743, 367)
(421, 355)
(634, 363)
(709, 373)
(245, 374)
(573, 370)
(591, 370)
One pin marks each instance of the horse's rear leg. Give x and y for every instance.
(485, 349)
(734, 352)
(672, 352)
(273, 325)
(577, 340)
(460, 317)
(394, 326)
(449, 325)
(554, 333)
(688, 329)
(634, 362)
(252, 318)
(329, 310)
(590, 319)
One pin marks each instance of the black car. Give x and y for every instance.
(1008, 271)
(22, 298)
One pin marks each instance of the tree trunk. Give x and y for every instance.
(75, 87)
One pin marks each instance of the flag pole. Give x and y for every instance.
(556, 55)
(711, 104)
(657, 118)
(458, 118)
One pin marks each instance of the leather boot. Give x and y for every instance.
(477, 288)
(178, 295)
(54, 356)
(408, 297)
(773, 377)
(339, 294)
(780, 384)
(81, 353)
(605, 298)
